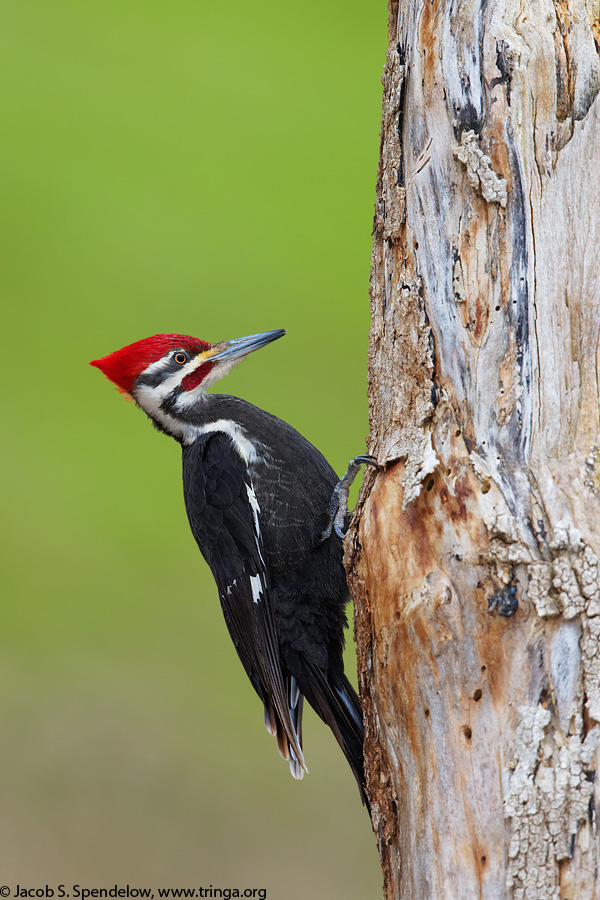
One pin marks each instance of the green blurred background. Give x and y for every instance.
(191, 167)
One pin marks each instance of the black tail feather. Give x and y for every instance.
(339, 707)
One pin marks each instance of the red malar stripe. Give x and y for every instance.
(196, 377)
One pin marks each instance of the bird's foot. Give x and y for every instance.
(338, 507)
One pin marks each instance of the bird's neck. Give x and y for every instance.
(209, 413)
(166, 414)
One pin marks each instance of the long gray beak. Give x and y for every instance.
(230, 350)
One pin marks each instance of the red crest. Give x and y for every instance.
(123, 366)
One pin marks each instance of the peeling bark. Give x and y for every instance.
(473, 555)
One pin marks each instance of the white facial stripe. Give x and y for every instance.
(150, 397)
(169, 384)
(157, 366)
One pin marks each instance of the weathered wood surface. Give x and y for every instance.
(474, 557)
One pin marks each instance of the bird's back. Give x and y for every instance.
(292, 480)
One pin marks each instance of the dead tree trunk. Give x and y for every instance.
(474, 557)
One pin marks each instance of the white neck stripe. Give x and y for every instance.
(246, 449)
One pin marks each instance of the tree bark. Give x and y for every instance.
(473, 554)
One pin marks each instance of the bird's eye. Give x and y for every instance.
(181, 358)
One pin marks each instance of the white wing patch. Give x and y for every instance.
(255, 511)
(257, 588)
(256, 581)
(294, 697)
(253, 502)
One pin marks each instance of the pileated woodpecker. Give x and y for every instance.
(266, 510)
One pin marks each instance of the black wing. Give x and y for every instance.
(224, 517)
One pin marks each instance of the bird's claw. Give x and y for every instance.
(338, 507)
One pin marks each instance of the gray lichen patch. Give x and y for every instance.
(564, 582)
(540, 590)
(569, 586)
(480, 173)
(585, 565)
(547, 795)
(592, 466)
(505, 546)
(590, 655)
(549, 784)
